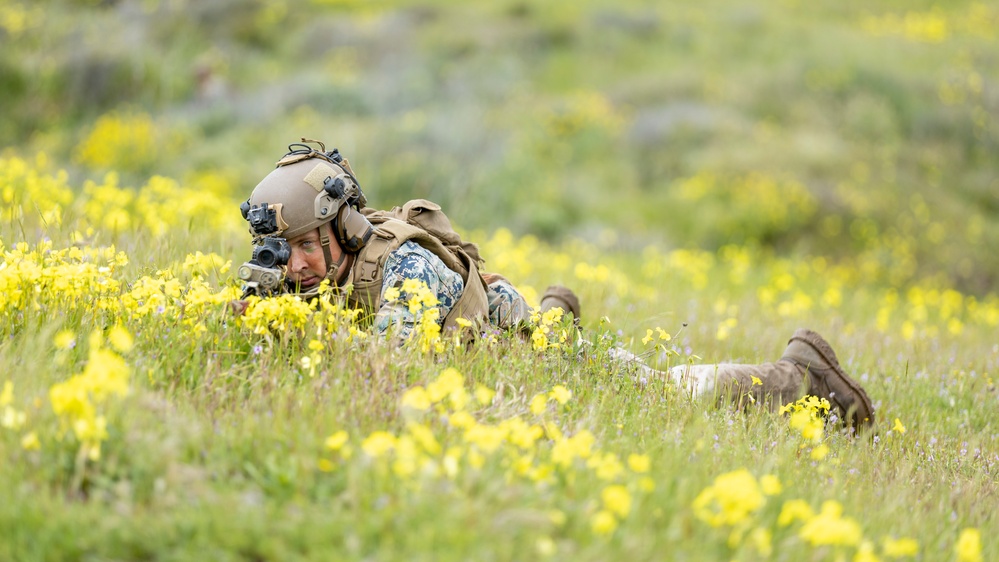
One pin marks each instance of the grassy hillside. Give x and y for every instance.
(140, 420)
(839, 129)
(708, 177)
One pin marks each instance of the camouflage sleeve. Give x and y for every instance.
(412, 261)
(507, 307)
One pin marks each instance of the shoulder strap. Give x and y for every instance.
(390, 233)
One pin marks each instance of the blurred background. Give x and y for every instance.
(854, 130)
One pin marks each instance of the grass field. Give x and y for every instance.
(142, 421)
(707, 177)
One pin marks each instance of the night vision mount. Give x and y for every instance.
(263, 275)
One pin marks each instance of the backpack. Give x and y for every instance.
(428, 216)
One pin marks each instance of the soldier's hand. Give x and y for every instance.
(238, 307)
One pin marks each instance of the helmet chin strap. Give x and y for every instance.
(332, 268)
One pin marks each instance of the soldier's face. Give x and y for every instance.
(307, 265)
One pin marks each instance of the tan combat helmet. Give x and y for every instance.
(306, 190)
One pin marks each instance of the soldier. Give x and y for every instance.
(310, 223)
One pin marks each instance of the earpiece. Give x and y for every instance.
(352, 229)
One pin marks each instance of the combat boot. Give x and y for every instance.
(807, 367)
(561, 297)
(827, 379)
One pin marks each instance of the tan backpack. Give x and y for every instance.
(422, 221)
(428, 216)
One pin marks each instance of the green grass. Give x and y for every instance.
(218, 449)
(726, 171)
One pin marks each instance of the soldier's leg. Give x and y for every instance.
(808, 366)
(507, 307)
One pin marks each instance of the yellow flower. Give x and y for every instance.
(560, 394)
(7, 396)
(898, 426)
(416, 398)
(484, 395)
(378, 444)
(638, 463)
(65, 339)
(545, 546)
(794, 510)
(606, 466)
(730, 499)
(538, 404)
(897, 548)
(30, 442)
(336, 441)
(770, 485)
(969, 546)
(760, 538)
(829, 527)
(461, 420)
(11, 418)
(424, 437)
(603, 523)
(648, 337)
(617, 500)
(325, 465)
(448, 381)
(865, 553)
(462, 322)
(820, 452)
(663, 334)
(812, 427)
(756, 381)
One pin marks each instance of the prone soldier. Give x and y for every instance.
(310, 223)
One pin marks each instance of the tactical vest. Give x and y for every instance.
(389, 234)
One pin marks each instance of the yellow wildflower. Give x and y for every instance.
(560, 394)
(761, 540)
(30, 442)
(378, 444)
(638, 463)
(770, 485)
(65, 339)
(484, 395)
(969, 546)
(616, 500)
(7, 396)
(794, 510)
(538, 404)
(461, 420)
(603, 523)
(898, 426)
(865, 553)
(336, 441)
(648, 337)
(416, 398)
(829, 527)
(730, 499)
(897, 548)
(447, 382)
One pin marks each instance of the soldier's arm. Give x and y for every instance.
(411, 261)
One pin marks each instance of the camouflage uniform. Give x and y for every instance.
(507, 306)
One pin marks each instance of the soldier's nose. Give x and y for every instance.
(295, 262)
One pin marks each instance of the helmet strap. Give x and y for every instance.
(332, 269)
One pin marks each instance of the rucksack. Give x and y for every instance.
(428, 216)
